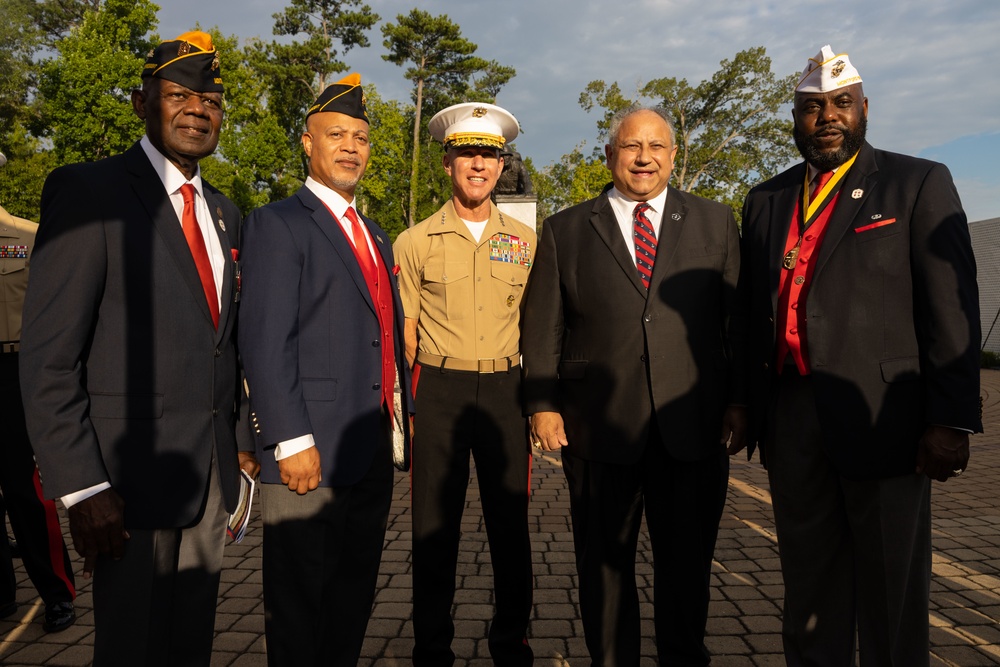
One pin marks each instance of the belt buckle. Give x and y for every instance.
(487, 365)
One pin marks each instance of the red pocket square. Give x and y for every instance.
(880, 223)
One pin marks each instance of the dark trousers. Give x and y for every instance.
(321, 557)
(33, 519)
(683, 501)
(458, 414)
(855, 555)
(156, 606)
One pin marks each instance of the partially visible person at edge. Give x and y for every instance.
(859, 287)
(129, 366)
(628, 370)
(33, 517)
(321, 334)
(462, 276)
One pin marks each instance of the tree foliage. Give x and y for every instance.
(442, 67)
(85, 91)
(297, 72)
(729, 133)
(67, 69)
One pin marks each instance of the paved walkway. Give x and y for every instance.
(744, 623)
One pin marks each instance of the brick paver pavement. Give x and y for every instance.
(744, 623)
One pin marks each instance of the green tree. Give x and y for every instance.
(382, 193)
(297, 72)
(729, 132)
(576, 177)
(441, 66)
(255, 163)
(85, 91)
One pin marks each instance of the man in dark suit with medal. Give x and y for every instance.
(321, 335)
(627, 368)
(858, 289)
(129, 367)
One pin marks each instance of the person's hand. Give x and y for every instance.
(248, 462)
(734, 429)
(97, 526)
(942, 452)
(301, 471)
(547, 432)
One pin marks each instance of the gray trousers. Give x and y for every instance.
(855, 555)
(156, 606)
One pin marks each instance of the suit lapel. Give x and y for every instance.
(149, 190)
(226, 296)
(671, 228)
(783, 203)
(332, 230)
(602, 218)
(858, 185)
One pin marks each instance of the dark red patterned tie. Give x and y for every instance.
(645, 243)
(192, 232)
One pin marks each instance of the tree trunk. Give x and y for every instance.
(415, 170)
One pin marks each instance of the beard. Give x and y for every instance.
(852, 143)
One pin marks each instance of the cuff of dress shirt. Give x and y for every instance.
(289, 447)
(71, 499)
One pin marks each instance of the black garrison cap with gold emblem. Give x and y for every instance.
(346, 97)
(190, 60)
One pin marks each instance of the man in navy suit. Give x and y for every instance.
(859, 283)
(321, 337)
(129, 368)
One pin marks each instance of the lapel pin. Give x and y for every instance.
(877, 216)
(222, 225)
(857, 194)
(676, 216)
(379, 239)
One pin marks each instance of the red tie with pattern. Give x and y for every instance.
(361, 246)
(196, 242)
(645, 243)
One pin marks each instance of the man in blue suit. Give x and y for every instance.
(321, 336)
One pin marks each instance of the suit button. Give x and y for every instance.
(642, 358)
(765, 366)
(799, 280)
(218, 352)
(215, 412)
(376, 386)
(375, 343)
(647, 318)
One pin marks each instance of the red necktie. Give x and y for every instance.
(197, 245)
(821, 179)
(361, 246)
(645, 243)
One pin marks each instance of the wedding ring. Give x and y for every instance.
(537, 444)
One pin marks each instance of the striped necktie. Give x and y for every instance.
(645, 243)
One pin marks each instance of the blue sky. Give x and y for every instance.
(932, 82)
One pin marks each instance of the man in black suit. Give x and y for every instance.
(859, 284)
(129, 369)
(627, 368)
(321, 333)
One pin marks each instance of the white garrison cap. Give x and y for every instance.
(473, 124)
(827, 71)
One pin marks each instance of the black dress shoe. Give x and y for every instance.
(14, 551)
(59, 616)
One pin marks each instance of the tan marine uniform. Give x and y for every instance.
(17, 237)
(465, 296)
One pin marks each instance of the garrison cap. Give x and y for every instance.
(827, 71)
(190, 60)
(346, 97)
(473, 124)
